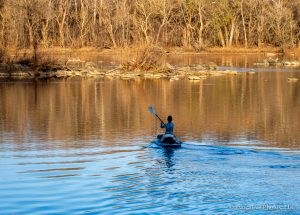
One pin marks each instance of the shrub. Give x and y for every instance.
(148, 58)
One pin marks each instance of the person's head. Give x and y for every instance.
(170, 118)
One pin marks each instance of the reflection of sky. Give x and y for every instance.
(259, 69)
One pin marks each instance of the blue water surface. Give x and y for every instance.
(85, 146)
(140, 177)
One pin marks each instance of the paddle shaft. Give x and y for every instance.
(151, 110)
(160, 119)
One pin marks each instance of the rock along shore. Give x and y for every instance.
(92, 70)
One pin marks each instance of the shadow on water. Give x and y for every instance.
(164, 156)
(168, 154)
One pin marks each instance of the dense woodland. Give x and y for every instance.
(121, 23)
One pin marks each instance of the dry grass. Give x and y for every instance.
(34, 62)
(139, 49)
(3, 55)
(147, 59)
(238, 50)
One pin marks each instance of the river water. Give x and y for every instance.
(85, 146)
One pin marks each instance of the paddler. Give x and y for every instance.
(168, 126)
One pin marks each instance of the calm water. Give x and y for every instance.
(84, 146)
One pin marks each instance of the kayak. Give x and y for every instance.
(173, 145)
(168, 140)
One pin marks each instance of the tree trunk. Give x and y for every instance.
(201, 29)
(244, 26)
(221, 37)
(45, 34)
(111, 35)
(158, 32)
(232, 32)
(187, 37)
(94, 20)
(61, 36)
(31, 36)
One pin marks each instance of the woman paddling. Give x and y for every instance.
(169, 135)
(168, 139)
(168, 126)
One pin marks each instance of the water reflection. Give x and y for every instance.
(168, 154)
(246, 109)
(221, 59)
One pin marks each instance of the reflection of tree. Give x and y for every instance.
(263, 106)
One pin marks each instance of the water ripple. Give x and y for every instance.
(197, 178)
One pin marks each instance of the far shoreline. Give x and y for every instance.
(142, 61)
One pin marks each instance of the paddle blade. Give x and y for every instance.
(151, 110)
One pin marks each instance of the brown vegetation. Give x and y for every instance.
(146, 59)
(120, 23)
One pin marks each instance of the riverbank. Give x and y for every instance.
(92, 70)
(168, 50)
(137, 62)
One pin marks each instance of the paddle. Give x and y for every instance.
(151, 110)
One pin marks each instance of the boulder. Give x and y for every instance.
(91, 66)
(129, 76)
(4, 75)
(215, 73)
(170, 67)
(212, 66)
(20, 74)
(294, 80)
(20, 67)
(197, 78)
(174, 78)
(229, 72)
(152, 76)
(291, 63)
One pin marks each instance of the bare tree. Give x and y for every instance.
(61, 19)
(190, 23)
(164, 9)
(145, 13)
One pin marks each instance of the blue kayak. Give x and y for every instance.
(168, 140)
